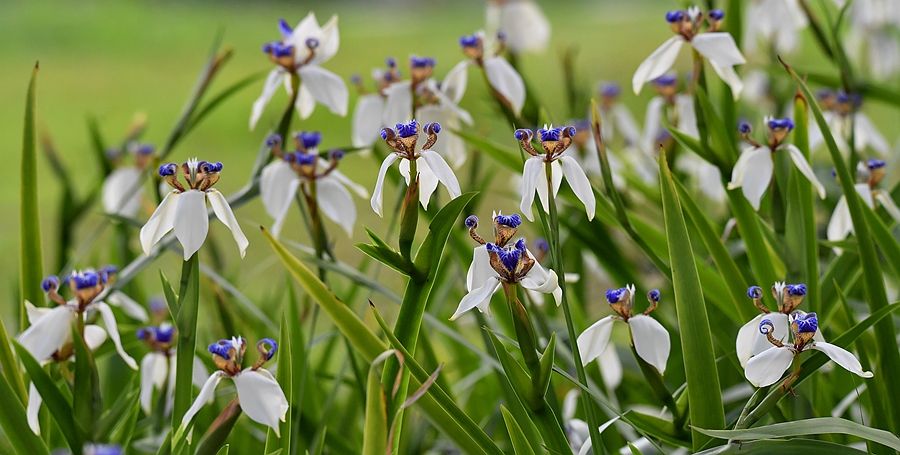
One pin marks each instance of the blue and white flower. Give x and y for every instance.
(521, 22)
(846, 120)
(617, 119)
(773, 23)
(554, 142)
(717, 47)
(431, 169)
(841, 224)
(767, 367)
(650, 338)
(301, 51)
(788, 297)
(184, 208)
(753, 170)
(259, 394)
(158, 366)
(504, 80)
(499, 262)
(122, 189)
(872, 38)
(307, 171)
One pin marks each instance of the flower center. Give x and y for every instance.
(197, 174)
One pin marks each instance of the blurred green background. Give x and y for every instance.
(113, 59)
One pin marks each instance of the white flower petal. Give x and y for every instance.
(199, 375)
(275, 78)
(532, 175)
(161, 222)
(335, 202)
(750, 342)
(651, 341)
(507, 81)
(722, 54)
(398, 103)
(428, 182)
(34, 409)
(454, 83)
(154, 371)
(450, 146)
(94, 336)
(752, 174)
(843, 358)
(841, 224)
(657, 63)
(49, 333)
(767, 367)
(610, 368)
(207, 392)
(191, 221)
(687, 118)
(122, 192)
(652, 125)
(477, 297)
(579, 183)
(305, 103)
(524, 26)
(109, 319)
(480, 269)
(226, 216)
(377, 196)
(442, 171)
(367, 119)
(884, 198)
(354, 187)
(308, 27)
(326, 87)
(595, 339)
(329, 42)
(540, 279)
(626, 125)
(867, 135)
(278, 185)
(261, 397)
(133, 309)
(805, 169)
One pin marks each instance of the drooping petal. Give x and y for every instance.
(626, 125)
(805, 169)
(752, 173)
(750, 342)
(326, 87)
(199, 373)
(122, 192)
(278, 184)
(273, 80)
(367, 119)
(477, 297)
(687, 118)
(49, 333)
(377, 196)
(610, 368)
(336, 203)
(767, 367)
(657, 63)
(191, 221)
(722, 54)
(454, 83)
(652, 125)
(34, 409)
(109, 319)
(595, 339)
(507, 81)
(884, 198)
(651, 341)
(480, 269)
(556, 176)
(450, 146)
(306, 103)
(94, 336)
(354, 187)
(224, 213)
(329, 42)
(442, 171)
(579, 183)
(540, 279)
(207, 392)
(154, 371)
(161, 222)
(261, 397)
(428, 182)
(841, 224)
(843, 358)
(867, 135)
(531, 177)
(398, 103)
(524, 25)
(133, 309)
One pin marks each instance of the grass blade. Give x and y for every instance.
(30, 268)
(14, 423)
(820, 425)
(519, 441)
(186, 322)
(706, 409)
(86, 392)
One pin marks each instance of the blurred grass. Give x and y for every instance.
(113, 59)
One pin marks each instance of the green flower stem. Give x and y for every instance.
(526, 337)
(556, 254)
(409, 216)
(284, 125)
(186, 322)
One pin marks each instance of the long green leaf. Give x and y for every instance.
(778, 447)
(30, 268)
(873, 283)
(56, 402)
(186, 322)
(86, 394)
(9, 367)
(519, 441)
(820, 425)
(696, 340)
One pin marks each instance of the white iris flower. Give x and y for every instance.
(504, 80)
(158, 366)
(841, 224)
(521, 22)
(122, 189)
(775, 23)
